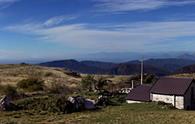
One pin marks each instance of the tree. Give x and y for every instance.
(150, 79)
(88, 83)
(101, 83)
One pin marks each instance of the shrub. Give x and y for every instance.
(58, 88)
(9, 90)
(150, 79)
(48, 74)
(73, 74)
(101, 83)
(165, 105)
(88, 83)
(44, 103)
(31, 84)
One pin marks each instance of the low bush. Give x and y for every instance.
(88, 83)
(44, 103)
(165, 105)
(73, 74)
(8, 90)
(58, 88)
(31, 84)
(48, 74)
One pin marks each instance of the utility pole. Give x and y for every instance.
(132, 84)
(142, 70)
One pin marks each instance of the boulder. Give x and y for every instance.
(5, 103)
(102, 101)
(89, 104)
(80, 103)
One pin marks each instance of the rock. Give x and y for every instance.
(80, 103)
(102, 101)
(89, 104)
(65, 106)
(71, 99)
(5, 103)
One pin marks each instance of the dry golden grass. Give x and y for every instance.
(184, 75)
(11, 74)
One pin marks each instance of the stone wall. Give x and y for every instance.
(177, 101)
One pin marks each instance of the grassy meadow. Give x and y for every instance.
(146, 113)
(12, 74)
(36, 109)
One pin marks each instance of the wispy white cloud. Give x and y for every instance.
(59, 19)
(131, 5)
(124, 37)
(7, 3)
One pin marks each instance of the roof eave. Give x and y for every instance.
(168, 94)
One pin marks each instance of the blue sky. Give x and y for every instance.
(39, 29)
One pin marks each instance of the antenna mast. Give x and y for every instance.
(142, 70)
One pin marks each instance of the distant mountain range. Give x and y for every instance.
(129, 56)
(153, 66)
(113, 57)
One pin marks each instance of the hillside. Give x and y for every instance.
(171, 64)
(101, 65)
(155, 66)
(74, 65)
(11, 74)
(128, 69)
(126, 56)
(187, 69)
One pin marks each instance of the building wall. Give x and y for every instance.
(132, 101)
(187, 100)
(177, 101)
(163, 98)
(181, 102)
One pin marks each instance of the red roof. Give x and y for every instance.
(172, 86)
(140, 93)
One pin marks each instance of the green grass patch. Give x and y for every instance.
(31, 84)
(146, 113)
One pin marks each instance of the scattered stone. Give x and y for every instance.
(90, 104)
(5, 102)
(80, 103)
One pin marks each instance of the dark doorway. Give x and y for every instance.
(192, 96)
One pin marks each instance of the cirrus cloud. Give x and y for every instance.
(59, 19)
(124, 37)
(7, 3)
(132, 5)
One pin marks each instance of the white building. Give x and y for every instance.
(177, 91)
